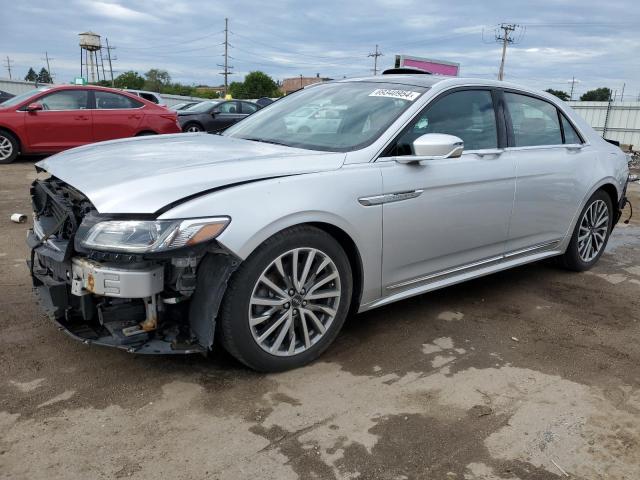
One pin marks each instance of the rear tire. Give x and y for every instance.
(192, 128)
(272, 322)
(591, 234)
(9, 147)
(146, 134)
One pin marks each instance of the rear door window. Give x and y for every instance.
(249, 108)
(535, 122)
(114, 101)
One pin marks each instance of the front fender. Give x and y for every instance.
(260, 209)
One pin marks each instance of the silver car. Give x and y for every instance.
(266, 239)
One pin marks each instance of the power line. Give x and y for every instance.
(375, 59)
(174, 43)
(8, 65)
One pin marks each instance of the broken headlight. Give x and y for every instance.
(146, 236)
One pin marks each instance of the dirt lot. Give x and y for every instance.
(528, 374)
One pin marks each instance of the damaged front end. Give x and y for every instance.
(145, 286)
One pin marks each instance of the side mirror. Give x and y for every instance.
(434, 146)
(34, 107)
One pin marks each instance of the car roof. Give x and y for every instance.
(428, 81)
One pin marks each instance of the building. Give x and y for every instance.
(290, 85)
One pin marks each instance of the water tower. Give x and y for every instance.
(90, 62)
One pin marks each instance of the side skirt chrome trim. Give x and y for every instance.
(459, 278)
(470, 266)
(389, 197)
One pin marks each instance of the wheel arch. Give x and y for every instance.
(4, 128)
(146, 131)
(610, 186)
(353, 255)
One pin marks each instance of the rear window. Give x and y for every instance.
(570, 134)
(148, 96)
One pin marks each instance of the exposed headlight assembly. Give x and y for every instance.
(148, 236)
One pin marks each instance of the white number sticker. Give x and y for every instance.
(403, 94)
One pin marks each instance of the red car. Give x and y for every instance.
(52, 119)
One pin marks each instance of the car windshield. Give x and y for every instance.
(342, 116)
(22, 97)
(200, 107)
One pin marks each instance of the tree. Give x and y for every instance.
(156, 79)
(558, 93)
(255, 85)
(44, 77)
(31, 76)
(236, 90)
(598, 95)
(129, 79)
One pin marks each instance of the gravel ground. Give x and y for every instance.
(527, 374)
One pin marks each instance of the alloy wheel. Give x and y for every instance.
(294, 302)
(6, 148)
(593, 231)
(193, 128)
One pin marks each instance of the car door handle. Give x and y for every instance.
(493, 151)
(82, 117)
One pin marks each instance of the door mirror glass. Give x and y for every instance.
(34, 107)
(434, 146)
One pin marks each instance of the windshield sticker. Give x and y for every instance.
(403, 94)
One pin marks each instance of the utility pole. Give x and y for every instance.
(622, 94)
(46, 58)
(573, 82)
(8, 65)
(505, 38)
(375, 59)
(109, 58)
(226, 66)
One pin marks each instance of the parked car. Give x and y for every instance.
(52, 119)
(152, 97)
(214, 115)
(264, 101)
(269, 238)
(4, 96)
(182, 106)
(315, 119)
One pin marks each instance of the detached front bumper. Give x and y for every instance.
(110, 305)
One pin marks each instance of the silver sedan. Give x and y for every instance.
(268, 236)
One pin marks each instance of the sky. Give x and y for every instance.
(596, 43)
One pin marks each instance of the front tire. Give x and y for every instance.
(287, 302)
(591, 233)
(9, 147)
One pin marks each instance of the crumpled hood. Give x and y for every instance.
(145, 174)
